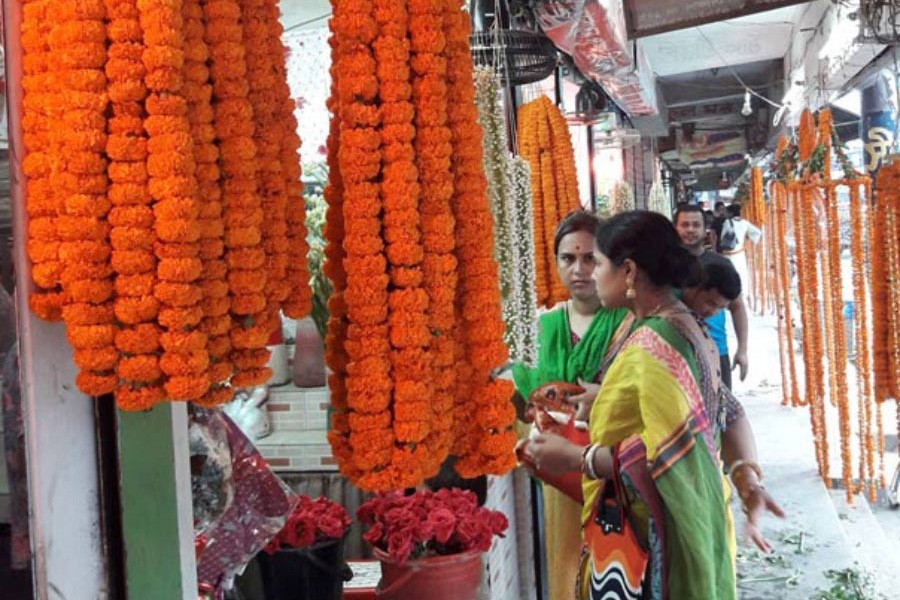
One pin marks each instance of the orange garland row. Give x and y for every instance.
(131, 107)
(415, 325)
(545, 143)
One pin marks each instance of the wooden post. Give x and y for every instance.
(157, 521)
(63, 484)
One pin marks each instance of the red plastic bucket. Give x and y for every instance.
(454, 577)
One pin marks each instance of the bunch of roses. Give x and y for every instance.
(369, 382)
(311, 522)
(173, 186)
(243, 215)
(428, 523)
(132, 235)
(78, 177)
(37, 102)
(546, 145)
(408, 301)
(290, 246)
(488, 445)
(433, 155)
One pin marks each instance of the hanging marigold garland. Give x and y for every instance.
(545, 143)
(78, 178)
(478, 296)
(333, 267)
(806, 244)
(418, 426)
(287, 245)
(215, 319)
(40, 205)
(838, 339)
(131, 238)
(124, 192)
(433, 158)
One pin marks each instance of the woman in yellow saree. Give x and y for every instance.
(659, 527)
(575, 336)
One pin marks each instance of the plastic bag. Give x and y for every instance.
(256, 508)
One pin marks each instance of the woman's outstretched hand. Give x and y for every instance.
(757, 502)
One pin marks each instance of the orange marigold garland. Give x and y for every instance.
(216, 303)
(37, 104)
(242, 210)
(783, 282)
(545, 143)
(478, 294)
(529, 150)
(835, 279)
(333, 267)
(171, 158)
(433, 161)
(288, 245)
(861, 321)
(131, 218)
(414, 420)
(368, 381)
(78, 177)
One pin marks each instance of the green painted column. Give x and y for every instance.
(157, 525)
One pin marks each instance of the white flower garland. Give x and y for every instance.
(658, 201)
(621, 198)
(509, 193)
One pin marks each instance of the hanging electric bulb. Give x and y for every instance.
(748, 109)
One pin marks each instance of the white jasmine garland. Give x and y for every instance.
(658, 201)
(622, 198)
(509, 194)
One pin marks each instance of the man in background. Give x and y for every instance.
(692, 229)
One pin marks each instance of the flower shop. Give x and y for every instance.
(269, 264)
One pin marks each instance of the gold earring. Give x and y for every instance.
(630, 293)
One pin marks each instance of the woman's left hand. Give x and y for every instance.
(553, 454)
(756, 502)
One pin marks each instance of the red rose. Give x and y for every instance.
(400, 545)
(498, 522)
(373, 535)
(330, 527)
(443, 522)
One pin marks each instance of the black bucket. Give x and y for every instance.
(314, 573)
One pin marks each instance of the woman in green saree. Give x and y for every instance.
(574, 339)
(659, 526)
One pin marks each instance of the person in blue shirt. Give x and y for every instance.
(689, 221)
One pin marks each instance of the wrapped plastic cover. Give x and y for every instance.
(239, 503)
(594, 34)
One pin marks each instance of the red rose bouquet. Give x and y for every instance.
(427, 523)
(312, 521)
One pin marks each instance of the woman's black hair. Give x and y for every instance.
(650, 240)
(579, 220)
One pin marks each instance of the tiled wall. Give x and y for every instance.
(299, 424)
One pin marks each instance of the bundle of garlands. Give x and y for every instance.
(545, 143)
(166, 223)
(415, 329)
(809, 203)
(755, 211)
(509, 193)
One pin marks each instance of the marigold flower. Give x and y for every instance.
(140, 339)
(96, 384)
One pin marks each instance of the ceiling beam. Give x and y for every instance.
(713, 100)
(652, 17)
